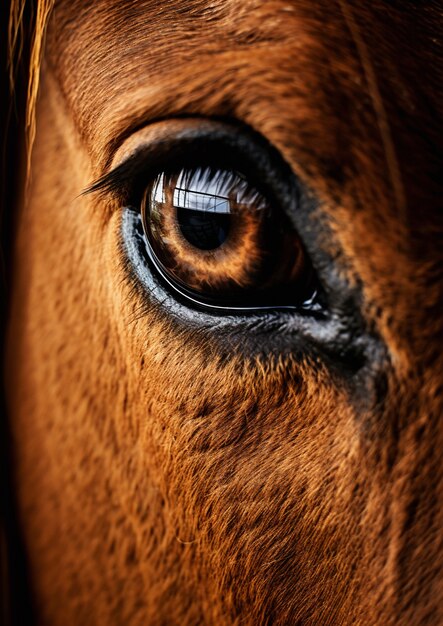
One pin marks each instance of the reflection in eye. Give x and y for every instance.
(217, 238)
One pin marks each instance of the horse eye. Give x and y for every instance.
(217, 240)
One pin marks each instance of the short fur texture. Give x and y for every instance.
(165, 477)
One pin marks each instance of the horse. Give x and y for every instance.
(222, 356)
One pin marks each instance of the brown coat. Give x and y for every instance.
(174, 468)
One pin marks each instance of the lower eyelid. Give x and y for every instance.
(251, 333)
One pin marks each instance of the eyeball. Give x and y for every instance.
(218, 240)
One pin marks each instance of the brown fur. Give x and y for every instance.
(163, 476)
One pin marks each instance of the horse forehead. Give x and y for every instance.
(205, 56)
(314, 76)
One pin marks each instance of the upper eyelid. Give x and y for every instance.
(207, 140)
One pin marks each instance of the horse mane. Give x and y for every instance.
(17, 32)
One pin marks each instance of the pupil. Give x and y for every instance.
(203, 229)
